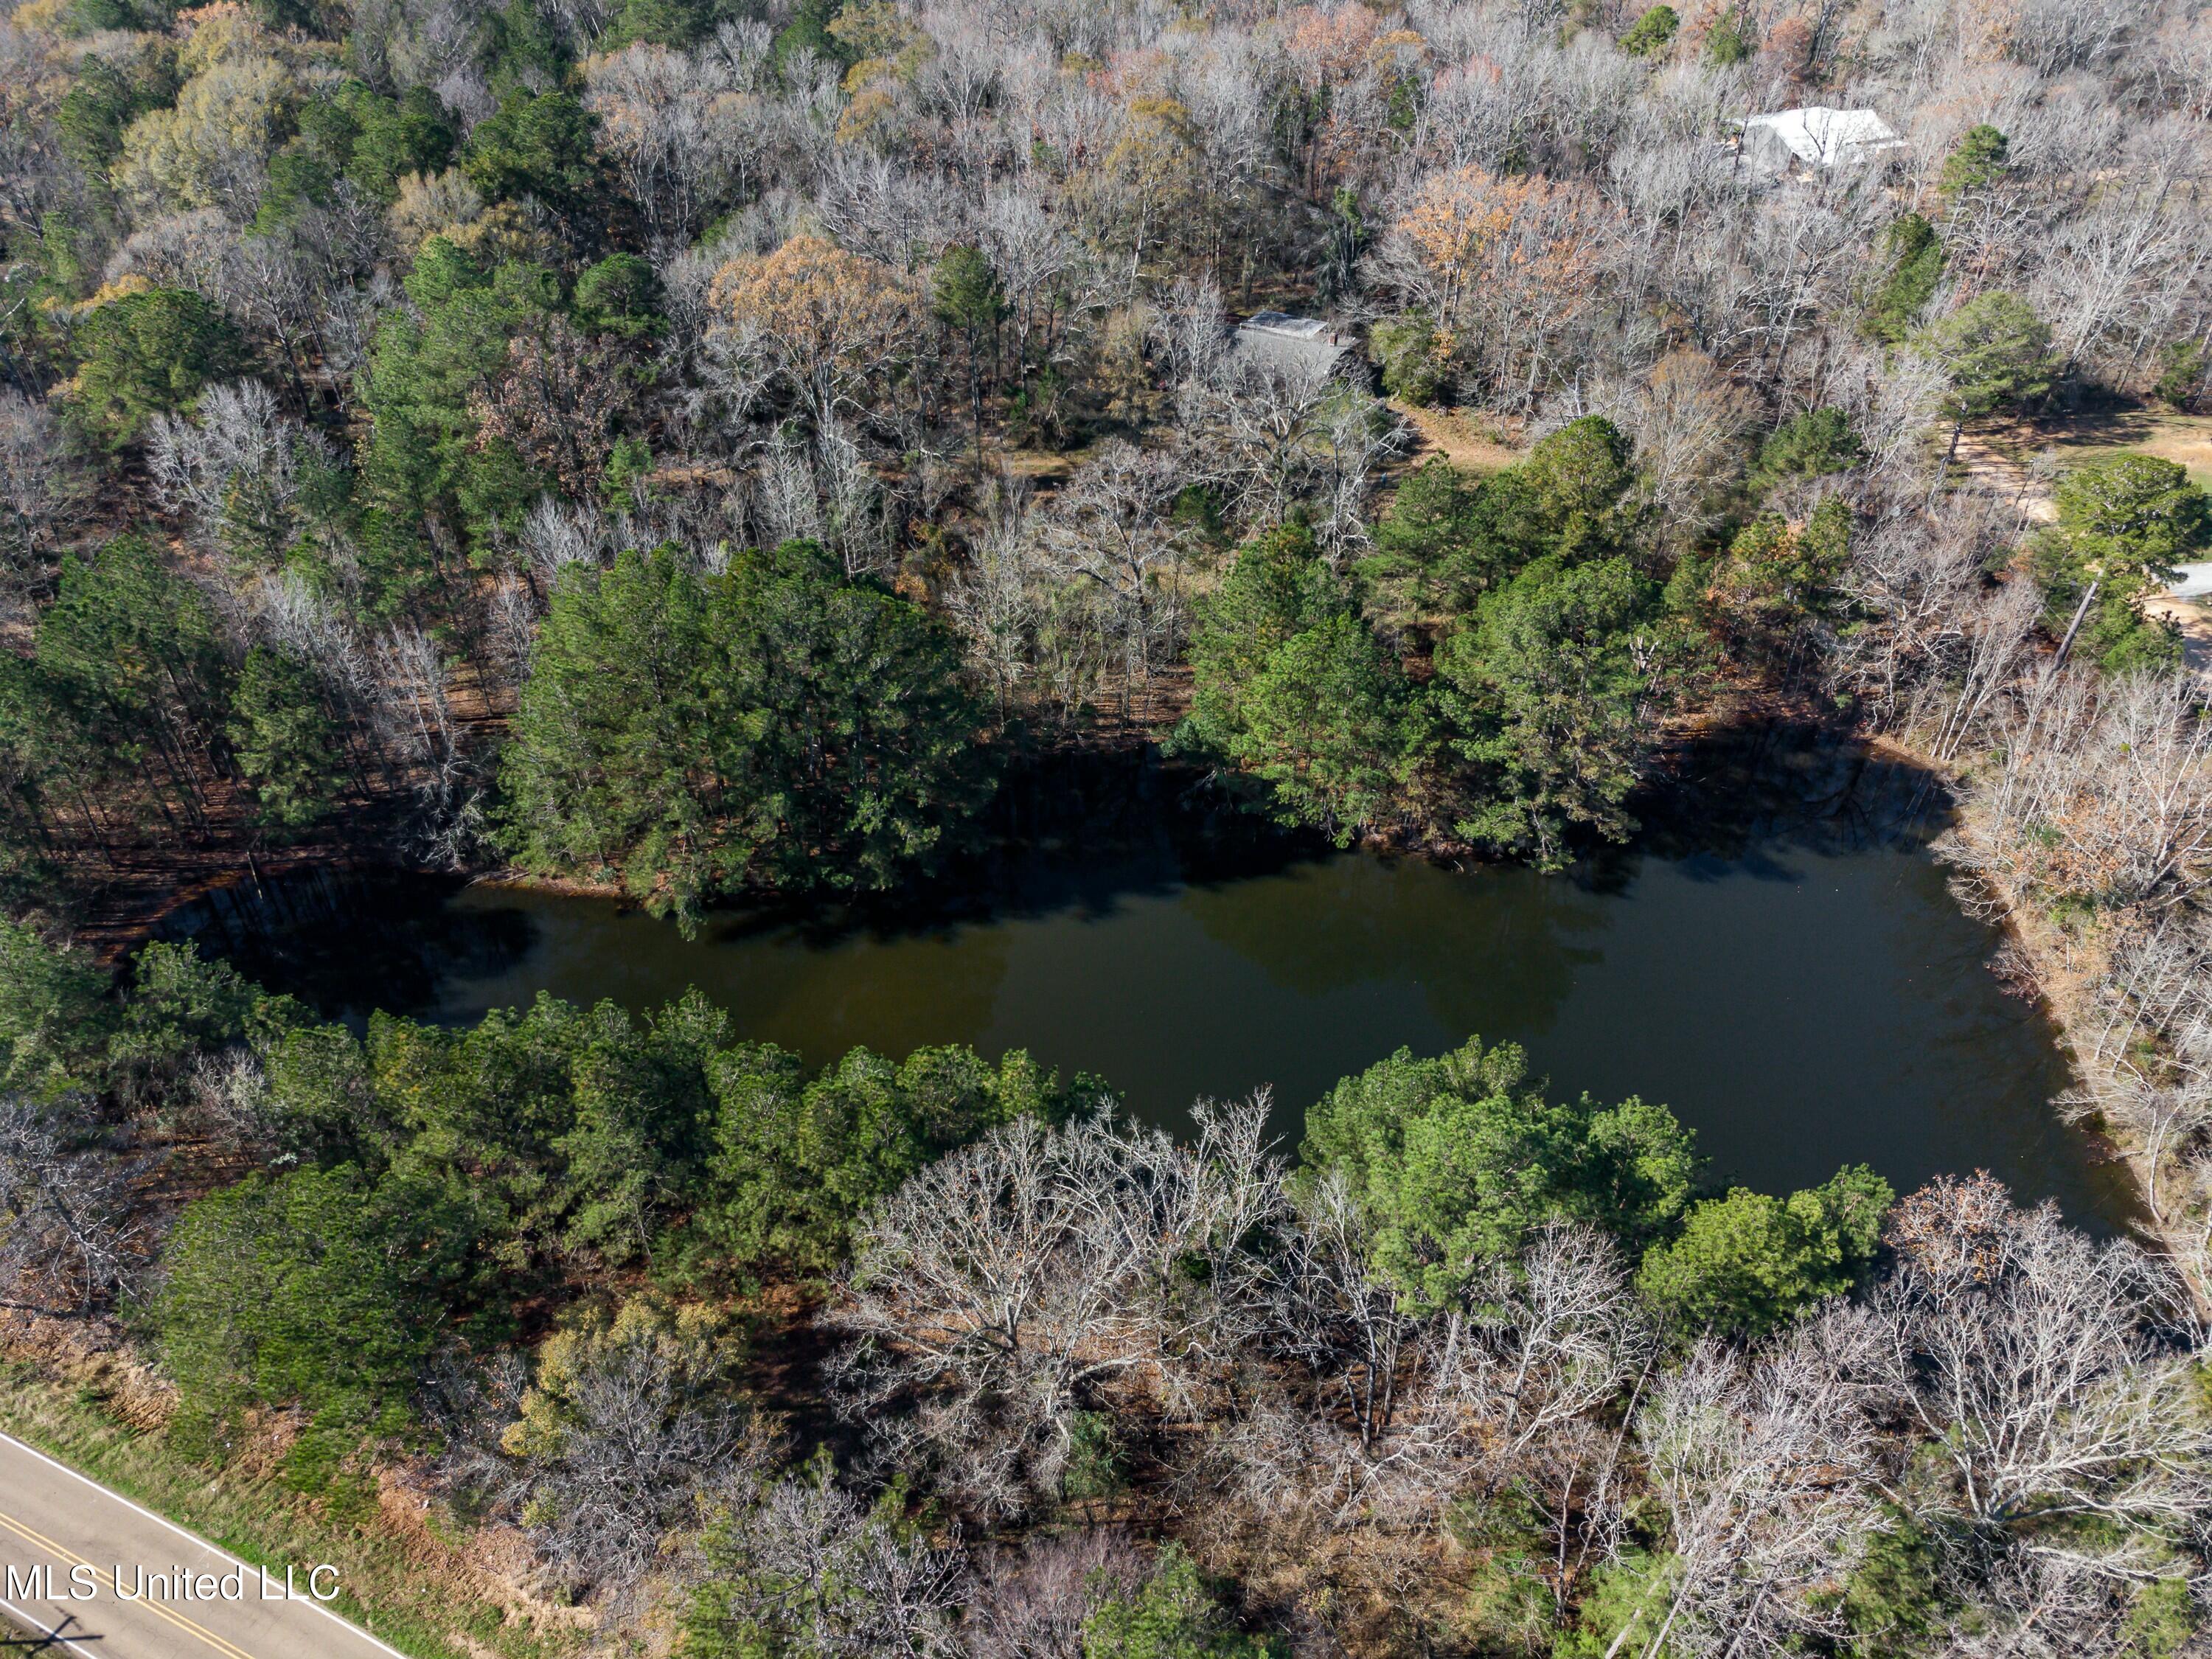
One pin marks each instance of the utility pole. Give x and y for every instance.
(2075, 627)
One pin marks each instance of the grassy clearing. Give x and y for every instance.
(1466, 438)
(2187, 439)
(410, 1591)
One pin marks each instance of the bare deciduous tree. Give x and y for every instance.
(1762, 1467)
(1943, 645)
(72, 1233)
(414, 720)
(1688, 420)
(1111, 530)
(236, 468)
(41, 485)
(805, 1570)
(2046, 1368)
(996, 601)
(1017, 1282)
(685, 129)
(2103, 791)
(627, 1437)
(1033, 1603)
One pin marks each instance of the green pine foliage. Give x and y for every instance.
(54, 1014)
(538, 146)
(1291, 686)
(1329, 725)
(180, 1005)
(317, 1287)
(1546, 690)
(809, 30)
(1455, 1160)
(149, 354)
(2181, 383)
(1913, 257)
(793, 1569)
(351, 131)
(794, 1160)
(585, 1134)
(426, 456)
(619, 295)
(1535, 725)
(126, 683)
(1975, 162)
(1414, 370)
(1172, 1614)
(964, 292)
(659, 23)
(1448, 538)
(2124, 521)
(1779, 582)
(1652, 33)
(1580, 482)
(967, 298)
(286, 742)
(1439, 546)
(1893, 1601)
(106, 98)
(577, 1129)
(1748, 1262)
(1625, 1610)
(2162, 1620)
(1816, 444)
(1731, 38)
(697, 735)
(1995, 353)
(524, 52)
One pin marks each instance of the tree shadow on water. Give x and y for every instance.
(350, 943)
(1494, 947)
(1739, 802)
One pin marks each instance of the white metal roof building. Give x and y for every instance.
(1817, 137)
(1278, 338)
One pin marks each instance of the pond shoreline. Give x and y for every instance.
(1134, 809)
(1780, 902)
(1052, 796)
(2063, 974)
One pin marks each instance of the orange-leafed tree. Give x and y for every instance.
(821, 321)
(1508, 267)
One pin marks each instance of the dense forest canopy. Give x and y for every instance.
(1514, 1346)
(707, 448)
(372, 324)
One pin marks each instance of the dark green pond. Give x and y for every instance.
(1801, 988)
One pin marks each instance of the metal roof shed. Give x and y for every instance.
(1818, 138)
(1280, 340)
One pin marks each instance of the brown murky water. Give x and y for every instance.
(1804, 995)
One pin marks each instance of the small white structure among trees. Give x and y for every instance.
(1818, 138)
(1279, 341)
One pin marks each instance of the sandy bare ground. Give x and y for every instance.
(2196, 625)
(1987, 464)
(1996, 461)
(1466, 438)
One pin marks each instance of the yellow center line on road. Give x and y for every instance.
(227, 1648)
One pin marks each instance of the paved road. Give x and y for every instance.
(56, 1522)
(2195, 582)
